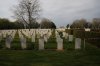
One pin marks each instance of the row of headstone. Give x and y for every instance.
(42, 35)
(59, 41)
(6, 32)
(33, 32)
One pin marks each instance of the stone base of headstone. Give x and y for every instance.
(41, 44)
(77, 43)
(70, 38)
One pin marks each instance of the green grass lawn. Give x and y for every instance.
(90, 56)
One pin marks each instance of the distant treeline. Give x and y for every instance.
(83, 23)
(48, 24)
(7, 24)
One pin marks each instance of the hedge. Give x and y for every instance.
(92, 34)
(79, 33)
(69, 31)
(91, 37)
(84, 34)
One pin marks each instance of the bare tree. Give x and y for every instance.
(27, 11)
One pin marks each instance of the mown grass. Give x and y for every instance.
(87, 57)
(90, 56)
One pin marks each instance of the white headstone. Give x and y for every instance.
(66, 36)
(8, 41)
(77, 43)
(23, 43)
(70, 38)
(59, 43)
(41, 44)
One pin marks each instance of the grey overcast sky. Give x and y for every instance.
(61, 12)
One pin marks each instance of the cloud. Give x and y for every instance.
(5, 8)
(61, 12)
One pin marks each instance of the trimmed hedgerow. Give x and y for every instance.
(92, 34)
(69, 31)
(84, 34)
(79, 33)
